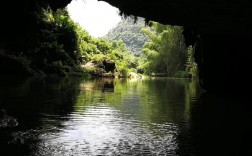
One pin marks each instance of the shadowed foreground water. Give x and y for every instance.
(161, 116)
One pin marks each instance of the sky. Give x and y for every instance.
(95, 17)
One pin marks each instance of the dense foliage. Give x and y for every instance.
(50, 48)
(128, 30)
(60, 46)
(55, 48)
(166, 54)
(82, 48)
(191, 66)
(161, 48)
(97, 50)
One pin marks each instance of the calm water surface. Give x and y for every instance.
(73, 116)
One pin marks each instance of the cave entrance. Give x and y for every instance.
(157, 50)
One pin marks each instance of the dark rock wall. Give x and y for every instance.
(208, 16)
(17, 18)
(225, 63)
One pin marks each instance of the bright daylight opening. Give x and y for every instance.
(95, 17)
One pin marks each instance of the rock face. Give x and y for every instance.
(18, 18)
(103, 68)
(209, 16)
(220, 29)
(109, 65)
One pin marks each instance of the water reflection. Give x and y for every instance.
(103, 117)
(26, 101)
(103, 131)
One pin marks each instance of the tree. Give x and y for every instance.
(191, 66)
(166, 52)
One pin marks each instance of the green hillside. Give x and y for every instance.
(129, 31)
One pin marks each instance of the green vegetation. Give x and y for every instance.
(58, 46)
(160, 49)
(77, 48)
(128, 30)
(191, 66)
(51, 47)
(166, 53)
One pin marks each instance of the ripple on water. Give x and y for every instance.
(104, 131)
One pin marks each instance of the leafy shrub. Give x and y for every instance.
(12, 65)
(182, 74)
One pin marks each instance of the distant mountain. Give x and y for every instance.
(129, 31)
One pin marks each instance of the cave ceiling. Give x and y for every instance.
(208, 16)
(203, 17)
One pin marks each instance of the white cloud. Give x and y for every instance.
(95, 17)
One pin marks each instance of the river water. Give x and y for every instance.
(161, 116)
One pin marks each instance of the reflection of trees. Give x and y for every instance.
(184, 138)
(41, 95)
(163, 100)
(160, 100)
(44, 103)
(94, 92)
(104, 84)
